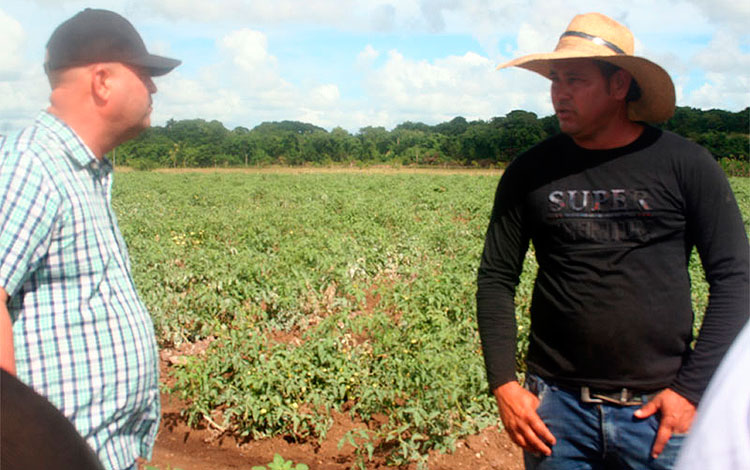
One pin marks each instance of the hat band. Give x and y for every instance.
(594, 39)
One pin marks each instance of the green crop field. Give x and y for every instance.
(320, 291)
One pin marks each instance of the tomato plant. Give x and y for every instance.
(325, 291)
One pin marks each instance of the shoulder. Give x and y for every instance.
(540, 154)
(681, 148)
(34, 141)
(28, 155)
(16, 150)
(547, 148)
(532, 166)
(690, 161)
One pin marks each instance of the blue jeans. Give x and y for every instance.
(596, 436)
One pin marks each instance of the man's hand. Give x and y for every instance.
(518, 412)
(676, 416)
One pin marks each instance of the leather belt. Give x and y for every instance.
(622, 397)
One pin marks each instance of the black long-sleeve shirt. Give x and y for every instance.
(613, 231)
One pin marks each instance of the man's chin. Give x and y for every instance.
(566, 127)
(135, 131)
(145, 124)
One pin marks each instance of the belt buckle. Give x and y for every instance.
(587, 398)
(626, 397)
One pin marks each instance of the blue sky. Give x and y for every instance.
(375, 62)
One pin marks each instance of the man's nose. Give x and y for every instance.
(150, 85)
(559, 90)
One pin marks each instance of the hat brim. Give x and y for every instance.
(657, 101)
(156, 65)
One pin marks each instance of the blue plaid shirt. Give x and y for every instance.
(82, 336)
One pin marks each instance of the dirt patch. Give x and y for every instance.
(292, 337)
(489, 450)
(179, 446)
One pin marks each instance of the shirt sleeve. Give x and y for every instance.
(500, 268)
(28, 208)
(720, 434)
(714, 224)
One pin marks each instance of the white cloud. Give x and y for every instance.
(367, 57)
(721, 91)
(733, 13)
(241, 72)
(12, 38)
(58, 3)
(723, 54)
(160, 47)
(536, 38)
(249, 50)
(439, 90)
(324, 96)
(722, 64)
(183, 98)
(370, 15)
(21, 100)
(404, 88)
(24, 90)
(677, 18)
(245, 88)
(433, 12)
(383, 18)
(249, 66)
(199, 10)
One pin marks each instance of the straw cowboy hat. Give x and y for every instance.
(595, 36)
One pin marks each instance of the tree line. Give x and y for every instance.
(201, 143)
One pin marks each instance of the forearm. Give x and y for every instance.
(7, 356)
(726, 314)
(497, 331)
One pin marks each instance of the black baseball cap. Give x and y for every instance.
(101, 36)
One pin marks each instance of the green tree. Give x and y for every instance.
(375, 143)
(346, 147)
(521, 130)
(455, 126)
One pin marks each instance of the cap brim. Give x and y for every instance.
(157, 65)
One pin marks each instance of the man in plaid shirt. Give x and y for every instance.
(72, 325)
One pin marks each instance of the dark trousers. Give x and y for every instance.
(34, 435)
(596, 436)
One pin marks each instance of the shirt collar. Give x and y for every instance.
(76, 149)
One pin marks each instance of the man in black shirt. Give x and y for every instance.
(614, 208)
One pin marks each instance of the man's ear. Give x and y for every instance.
(102, 76)
(619, 83)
